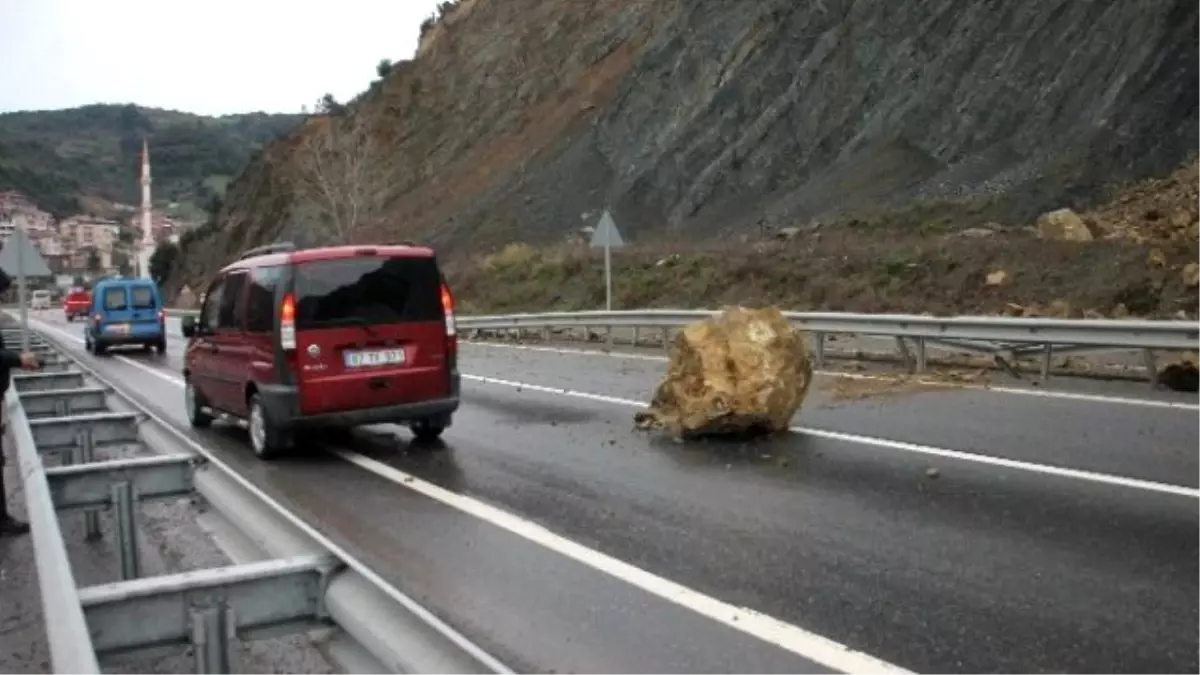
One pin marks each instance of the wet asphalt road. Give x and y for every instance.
(984, 568)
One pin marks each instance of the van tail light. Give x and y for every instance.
(96, 319)
(162, 316)
(287, 322)
(451, 326)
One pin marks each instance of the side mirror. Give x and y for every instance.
(188, 326)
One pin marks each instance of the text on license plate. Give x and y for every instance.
(374, 357)
(118, 328)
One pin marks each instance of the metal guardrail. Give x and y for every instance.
(294, 581)
(994, 336)
(1000, 337)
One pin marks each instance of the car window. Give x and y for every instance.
(260, 299)
(143, 297)
(212, 302)
(232, 302)
(114, 298)
(372, 289)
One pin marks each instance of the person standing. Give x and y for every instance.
(9, 359)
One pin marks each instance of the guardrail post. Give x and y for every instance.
(609, 339)
(211, 627)
(666, 339)
(123, 519)
(920, 342)
(1151, 367)
(1047, 355)
(636, 330)
(905, 355)
(819, 348)
(545, 333)
(84, 453)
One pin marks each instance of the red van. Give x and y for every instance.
(77, 303)
(290, 339)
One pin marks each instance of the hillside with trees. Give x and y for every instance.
(68, 161)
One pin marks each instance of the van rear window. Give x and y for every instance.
(143, 297)
(114, 298)
(374, 290)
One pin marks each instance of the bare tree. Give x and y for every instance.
(341, 182)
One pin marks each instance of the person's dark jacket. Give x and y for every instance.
(9, 360)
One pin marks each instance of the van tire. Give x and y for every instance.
(269, 441)
(161, 345)
(194, 405)
(98, 348)
(427, 430)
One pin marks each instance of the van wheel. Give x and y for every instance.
(98, 348)
(193, 402)
(428, 430)
(161, 345)
(267, 440)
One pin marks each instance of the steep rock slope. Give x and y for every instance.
(522, 118)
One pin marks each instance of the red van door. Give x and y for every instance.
(370, 332)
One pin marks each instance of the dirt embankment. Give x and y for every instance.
(1141, 260)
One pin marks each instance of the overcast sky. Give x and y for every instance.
(211, 57)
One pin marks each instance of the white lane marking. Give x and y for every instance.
(766, 628)
(756, 624)
(1045, 469)
(999, 389)
(177, 381)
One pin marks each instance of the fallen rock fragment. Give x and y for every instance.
(996, 278)
(743, 370)
(1063, 225)
(1191, 275)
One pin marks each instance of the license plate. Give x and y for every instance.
(118, 328)
(374, 357)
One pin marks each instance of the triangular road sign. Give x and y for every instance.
(606, 233)
(19, 245)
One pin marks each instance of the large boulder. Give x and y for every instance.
(1064, 225)
(744, 370)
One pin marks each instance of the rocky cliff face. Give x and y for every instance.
(521, 119)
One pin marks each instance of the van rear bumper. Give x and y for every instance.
(282, 404)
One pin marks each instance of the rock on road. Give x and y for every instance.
(944, 530)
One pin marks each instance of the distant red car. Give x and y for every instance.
(77, 303)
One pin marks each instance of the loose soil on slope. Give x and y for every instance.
(1147, 235)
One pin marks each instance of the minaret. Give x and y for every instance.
(146, 246)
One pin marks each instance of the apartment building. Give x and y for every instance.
(80, 235)
(16, 210)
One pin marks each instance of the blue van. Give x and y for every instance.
(125, 312)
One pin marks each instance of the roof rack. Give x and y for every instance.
(266, 249)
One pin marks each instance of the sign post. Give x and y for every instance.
(607, 237)
(21, 293)
(20, 256)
